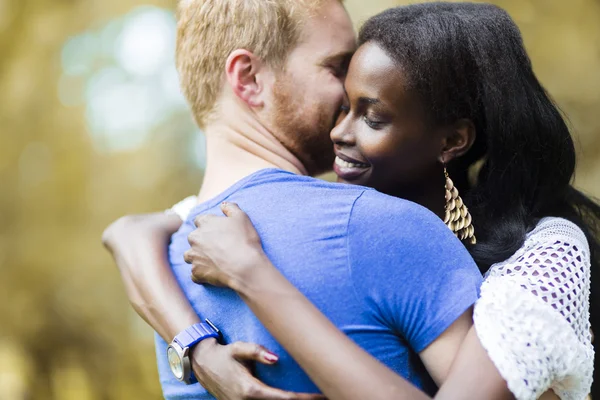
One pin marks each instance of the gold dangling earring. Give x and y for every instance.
(457, 217)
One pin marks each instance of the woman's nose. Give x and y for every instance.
(342, 132)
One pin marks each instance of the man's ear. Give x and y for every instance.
(458, 139)
(242, 70)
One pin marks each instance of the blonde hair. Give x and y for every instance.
(209, 30)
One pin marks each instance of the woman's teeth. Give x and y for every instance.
(346, 164)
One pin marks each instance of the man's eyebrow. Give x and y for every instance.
(344, 56)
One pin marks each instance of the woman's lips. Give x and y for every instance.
(348, 170)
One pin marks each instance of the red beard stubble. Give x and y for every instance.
(303, 128)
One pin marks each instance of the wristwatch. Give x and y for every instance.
(178, 352)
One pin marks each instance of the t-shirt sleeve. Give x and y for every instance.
(415, 275)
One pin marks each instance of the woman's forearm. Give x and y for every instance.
(139, 246)
(339, 367)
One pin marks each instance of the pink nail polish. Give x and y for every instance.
(270, 357)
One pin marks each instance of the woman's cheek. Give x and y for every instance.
(382, 145)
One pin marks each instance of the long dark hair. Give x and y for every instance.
(467, 60)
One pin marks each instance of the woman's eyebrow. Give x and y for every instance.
(368, 100)
(363, 99)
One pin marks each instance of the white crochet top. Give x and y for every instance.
(533, 314)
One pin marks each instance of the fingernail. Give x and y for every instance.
(270, 357)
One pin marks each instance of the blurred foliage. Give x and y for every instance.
(92, 127)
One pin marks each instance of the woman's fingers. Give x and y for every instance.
(230, 209)
(205, 219)
(188, 257)
(198, 280)
(206, 276)
(223, 248)
(259, 391)
(243, 351)
(264, 392)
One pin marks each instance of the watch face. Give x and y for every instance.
(175, 362)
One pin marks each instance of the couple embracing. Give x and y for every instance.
(453, 259)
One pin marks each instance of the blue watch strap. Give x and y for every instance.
(196, 333)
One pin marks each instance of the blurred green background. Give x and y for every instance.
(93, 126)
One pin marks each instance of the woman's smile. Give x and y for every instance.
(347, 168)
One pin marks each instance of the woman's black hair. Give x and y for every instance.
(467, 60)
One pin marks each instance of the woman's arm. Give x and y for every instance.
(340, 368)
(139, 247)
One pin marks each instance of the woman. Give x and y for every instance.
(422, 70)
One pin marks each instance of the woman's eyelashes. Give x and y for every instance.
(372, 121)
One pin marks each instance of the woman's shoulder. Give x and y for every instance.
(552, 241)
(533, 313)
(554, 266)
(556, 228)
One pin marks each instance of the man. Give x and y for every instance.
(265, 81)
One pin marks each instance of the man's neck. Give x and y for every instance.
(238, 148)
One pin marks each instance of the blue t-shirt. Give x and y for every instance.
(386, 271)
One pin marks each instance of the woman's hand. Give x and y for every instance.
(224, 249)
(225, 372)
(139, 245)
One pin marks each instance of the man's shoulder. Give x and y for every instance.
(395, 227)
(295, 193)
(277, 200)
(376, 209)
(270, 188)
(278, 179)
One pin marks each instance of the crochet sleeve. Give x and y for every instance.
(183, 208)
(533, 314)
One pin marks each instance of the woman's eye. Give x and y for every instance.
(345, 109)
(372, 123)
